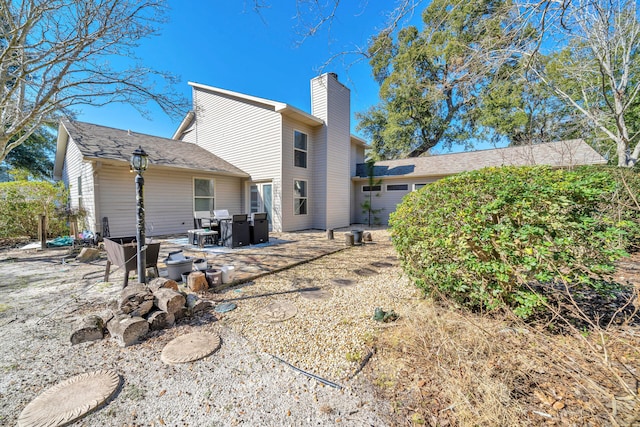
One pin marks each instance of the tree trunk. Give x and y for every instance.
(136, 300)
(127, 330)
(168, 300)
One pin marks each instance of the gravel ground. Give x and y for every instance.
(241, 383)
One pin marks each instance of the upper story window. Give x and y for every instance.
(300, 149)
(203, 196)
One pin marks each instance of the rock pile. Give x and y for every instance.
(139, 309)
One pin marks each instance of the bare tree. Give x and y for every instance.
(59, 54)
(597, 73)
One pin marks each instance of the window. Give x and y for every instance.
(79, 186)
(397, 187)
(300, 149)
(418, 186)
(367, 188)
(300, 197)
(203, 194)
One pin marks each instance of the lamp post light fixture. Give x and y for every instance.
(139, 163)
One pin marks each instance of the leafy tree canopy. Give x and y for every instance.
(431, 80)
(31, 159)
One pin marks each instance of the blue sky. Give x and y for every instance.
(229, 45)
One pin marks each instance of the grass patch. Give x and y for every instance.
(468, 370)
(133, 392)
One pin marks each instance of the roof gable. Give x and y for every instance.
(97, 142)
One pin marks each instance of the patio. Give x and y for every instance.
(284, 250)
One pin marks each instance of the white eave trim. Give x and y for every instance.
(288, 110)
(276, 105)
(359, 141)
(183, 125)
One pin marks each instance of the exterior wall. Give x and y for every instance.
(168, 199)
(384, 199)
(330, 101)
(75, 167)
(247, 135)
(290, 173)
(357, 156)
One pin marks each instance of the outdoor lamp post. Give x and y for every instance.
(139, 163)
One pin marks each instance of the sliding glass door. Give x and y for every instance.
(262, 200)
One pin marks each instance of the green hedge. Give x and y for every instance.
(21, 203)
(485, 238)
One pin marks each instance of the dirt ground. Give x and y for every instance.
(434, 366)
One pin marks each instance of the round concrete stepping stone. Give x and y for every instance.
(225, 307)
(69, 400)
(190, 347)
(381, 264)
(365, 271)
(315, 294)
(343, 282)
(278, 311)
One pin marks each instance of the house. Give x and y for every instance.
(300, 164)
(393, 179)
(247, 154)
(93, 161)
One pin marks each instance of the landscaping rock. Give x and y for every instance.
(88, 255)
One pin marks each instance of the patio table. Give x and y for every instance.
(199, 237)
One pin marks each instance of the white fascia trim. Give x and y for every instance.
(276, 105)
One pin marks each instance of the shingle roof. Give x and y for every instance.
(105, 143)
(556, 154)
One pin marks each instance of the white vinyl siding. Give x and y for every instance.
(384, 199)
(76, 173)
(168, 199)
(246, 134)
(331, 197)
(290, 174)
(357, 156)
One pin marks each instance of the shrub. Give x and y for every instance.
(485, 238)
(21, 203)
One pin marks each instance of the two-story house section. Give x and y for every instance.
(300, 164)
